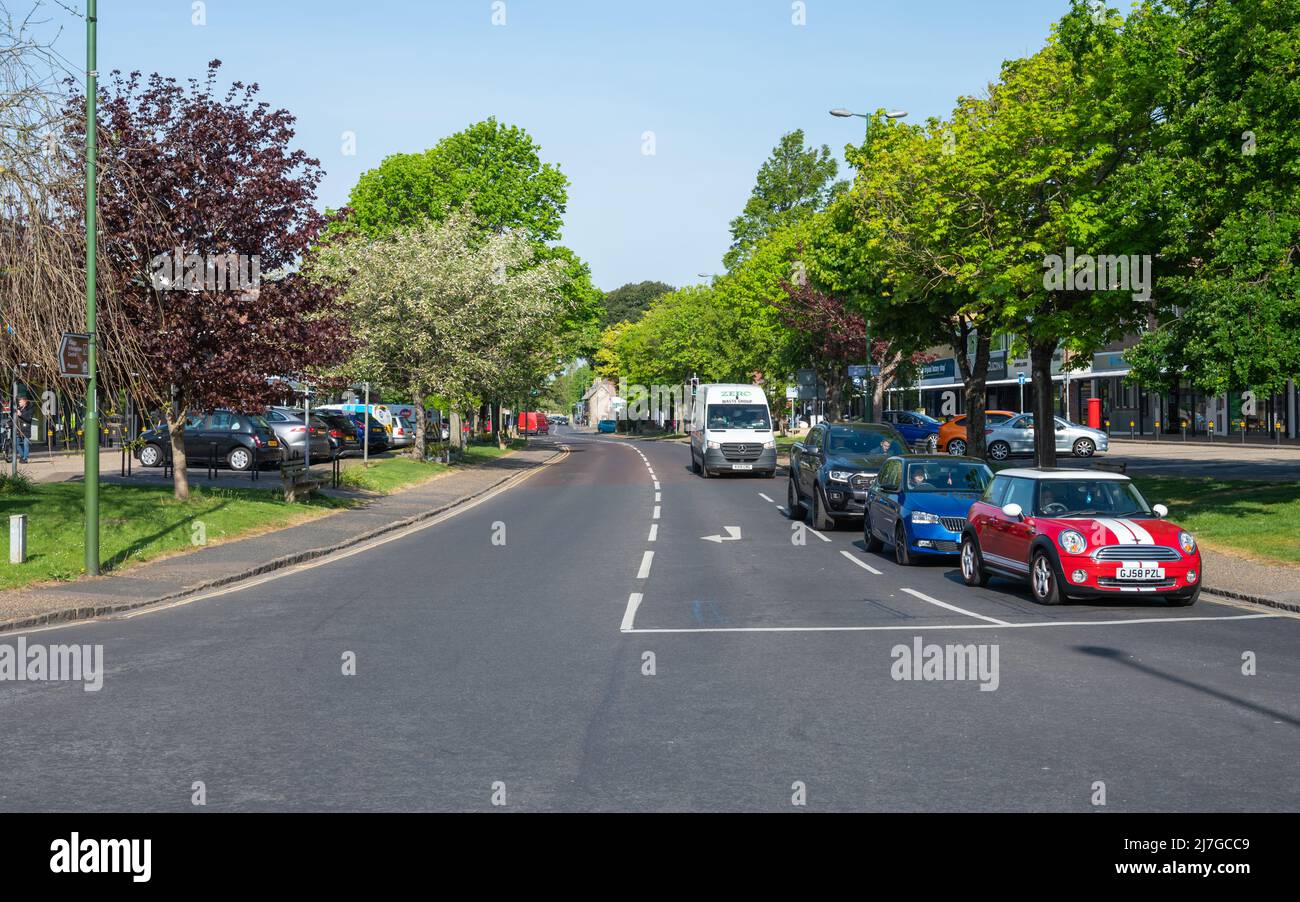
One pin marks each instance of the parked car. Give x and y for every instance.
(534, 424)
(1016, 436)
(375, 432)
(242, 441)
(401, 434)
(918, 429)
(952, 434)
(344, 436)
(834, 466)
(292, 432)
(607, 426)
(1079, 534)
(919, 504)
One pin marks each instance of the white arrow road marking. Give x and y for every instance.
(953, 607)
(629, 615)
(644, 572)
(733, 535)
(863, 564)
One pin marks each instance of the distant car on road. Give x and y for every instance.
(919, 504)
(918, 429)
(952, 434)
(731, 431)
(834, 466)
(1016, 436)
(1079, 534)
(534, 424)
(242, 441)
(607, 426)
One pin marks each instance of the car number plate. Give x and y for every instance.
(1140, 573)
(742, 466)
(273, 444)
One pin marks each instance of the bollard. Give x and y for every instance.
(1243, 432)
(1210, 430)
(212, 461)
(1184, 430)
(1131, 426)
(1157, 430)
(17, 538)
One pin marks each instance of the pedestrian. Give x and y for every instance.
(23, 429)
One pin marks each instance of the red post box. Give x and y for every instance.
(1094, 413)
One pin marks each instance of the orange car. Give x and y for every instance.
(952, 434)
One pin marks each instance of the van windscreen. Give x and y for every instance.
(738, 416)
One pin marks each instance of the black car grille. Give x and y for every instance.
(1136, 553)
(742, 452)
(954, 524)
(862, 481)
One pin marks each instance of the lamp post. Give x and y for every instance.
(91, 425)
(870, 398)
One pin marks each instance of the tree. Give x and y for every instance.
(209, 179)
(627, 302)
(445, 311)
(793, 183)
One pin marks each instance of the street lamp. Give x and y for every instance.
(842, 113)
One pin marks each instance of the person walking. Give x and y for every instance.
(23, 429)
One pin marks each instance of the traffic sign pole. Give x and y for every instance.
(91, 422)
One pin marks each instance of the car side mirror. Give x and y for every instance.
(1013, 510)
(1160, 510)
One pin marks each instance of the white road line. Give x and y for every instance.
(654, 532)
(919, 628)
(646, 560)
(629, 615)
(863, 564)
(953, 607)
(817, 534)
(656, 485)
(656, 513)
(659, 496)
(765, 498)
(783, 510)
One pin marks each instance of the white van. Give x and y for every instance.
(731, 431)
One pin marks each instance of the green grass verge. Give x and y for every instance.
(137, 523)
(392, 473)
(1259, 519)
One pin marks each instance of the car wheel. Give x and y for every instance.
(151, 456)
(793, 502)
(999, 450)
(1042, 579)
(1188, 601)
(932, 443)
(869, 539)
(1085, 447)
(902, 556)
(239, 459)
(819, 519)
(957, 447)
(972, 564)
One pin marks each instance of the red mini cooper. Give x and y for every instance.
(1078, 534)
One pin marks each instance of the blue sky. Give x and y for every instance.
(717, 81)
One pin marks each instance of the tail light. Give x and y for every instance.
(296, 429)
(988, 431)
(257, 442)
(334, 433)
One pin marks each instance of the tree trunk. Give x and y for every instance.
(498, 425)
(1040, 357)
(180, 473)
(975, 375)
(457, 437)
(421, 427)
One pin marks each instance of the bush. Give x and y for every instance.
(16, 485)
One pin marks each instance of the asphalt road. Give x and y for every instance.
(523, 665)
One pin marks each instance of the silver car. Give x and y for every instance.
(1016, 436)
(292, 433)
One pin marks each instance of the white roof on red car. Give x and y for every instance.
(1059, 473)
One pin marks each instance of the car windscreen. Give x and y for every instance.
(1090, 497)
(945, 476)
(738, 416)
(855, 440)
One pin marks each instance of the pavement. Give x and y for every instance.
(218, 564)
(614, 633)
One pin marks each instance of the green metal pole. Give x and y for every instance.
(869, 406)
(91, 422)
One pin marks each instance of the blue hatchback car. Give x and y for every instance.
(607, 426)
(919, 504)
(916, 428)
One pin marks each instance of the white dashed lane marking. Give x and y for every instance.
(863, 564)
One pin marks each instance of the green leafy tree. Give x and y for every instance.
(627, 302)
(793, 183)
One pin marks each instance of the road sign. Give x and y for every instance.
(858, 371)
(791, 393)
(74, 356)
(1022, 378)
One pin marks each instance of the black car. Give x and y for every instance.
(835, 464)
(344, 436)
(240, 441)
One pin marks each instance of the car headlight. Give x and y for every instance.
(924, 517)
(714, 446)
(767, 446)
(1187, 543)
(1072, 542)
(840, 475)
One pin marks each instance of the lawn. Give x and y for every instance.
(1259, 519)
(137, 523)
(390, 474)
